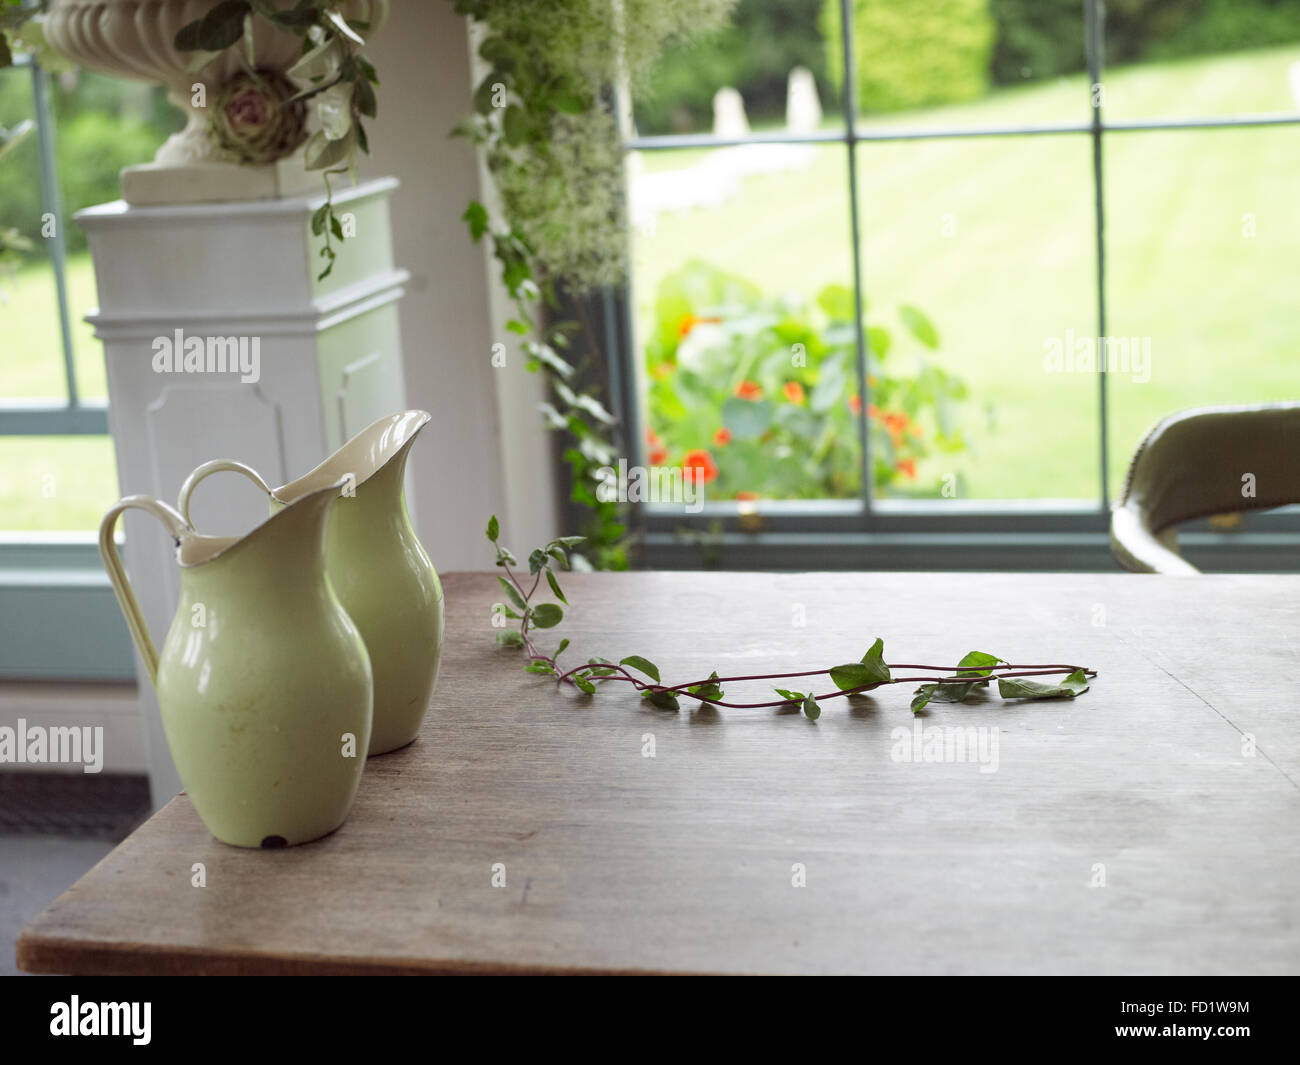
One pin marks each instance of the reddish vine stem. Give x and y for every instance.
(620, 673)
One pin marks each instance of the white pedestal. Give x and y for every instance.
(330, 363)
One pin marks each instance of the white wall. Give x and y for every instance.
(486, 451)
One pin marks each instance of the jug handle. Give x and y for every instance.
(215, 466)
(177, 526)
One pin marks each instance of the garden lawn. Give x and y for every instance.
(994, 239)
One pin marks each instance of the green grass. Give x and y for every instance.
(1217, 305)
(51, 483)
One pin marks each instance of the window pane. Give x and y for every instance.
(754, 55)
(992, 240)
(1185, 58)
(103, 124)
(1203, 234)
(744, 319)
(32, 365)
(55, 483)
(967, 63)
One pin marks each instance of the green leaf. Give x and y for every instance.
(919, 326)
(709, 689)
(978, 664)
(871, 670)
(810, 708)
(560, 650)
(505, 557)
(493, 528)
(1024, 688)
(583, 684)
(476, 217)
(943, 693)
(513, 593)
(878, 341)
(837, 301)
(538, 667)
(547, 615)
(514, 125)
(536, 561)
(746, 418)
(319, 218)
(794, 697)
(510, 638)
(517, 326)
(567, 541)
(365, 97)
(221, 27)
(663, 700)
(555, 587)
(601, 667)
(643, 664)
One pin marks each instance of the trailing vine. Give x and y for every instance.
(545, 119)
(969, 677)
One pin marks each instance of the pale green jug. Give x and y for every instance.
(378, 567)
(263, 682)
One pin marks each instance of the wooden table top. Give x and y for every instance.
(688, 861)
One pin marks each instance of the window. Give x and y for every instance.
(65, 137)
(933, 319)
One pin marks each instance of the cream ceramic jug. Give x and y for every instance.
(378, 567)
(263, 682)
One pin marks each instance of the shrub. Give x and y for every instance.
(1037, 39)
(761, 394)
(913, 55)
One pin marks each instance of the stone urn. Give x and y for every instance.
(134, 39)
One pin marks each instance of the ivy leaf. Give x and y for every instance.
(536, 561)
(601, 667)
(547, 616)
(1024, 688)
(510, 638)
(218, 29)
(555, 587)
(978, 664)
(476, 217)
(513, 593)
(566, 541)
(871, 670)
(919, 326)
(319, 218)
(943, 693)
(663, 700)
(709, 689)
(504, 556)
(493, 529)
(810, 708)
(644, 665)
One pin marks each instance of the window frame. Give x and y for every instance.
(59, 620)
(881, 533)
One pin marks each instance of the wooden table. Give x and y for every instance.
(687, 861)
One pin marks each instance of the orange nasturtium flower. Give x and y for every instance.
(855, 404)
(689, 321)
(658, 456)
(652, 438)
(908, 466)
(896, 423)
(722, 437)
(699, 467)
(749, 390)
(873, 411)
(793, 391)
(747, 496)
